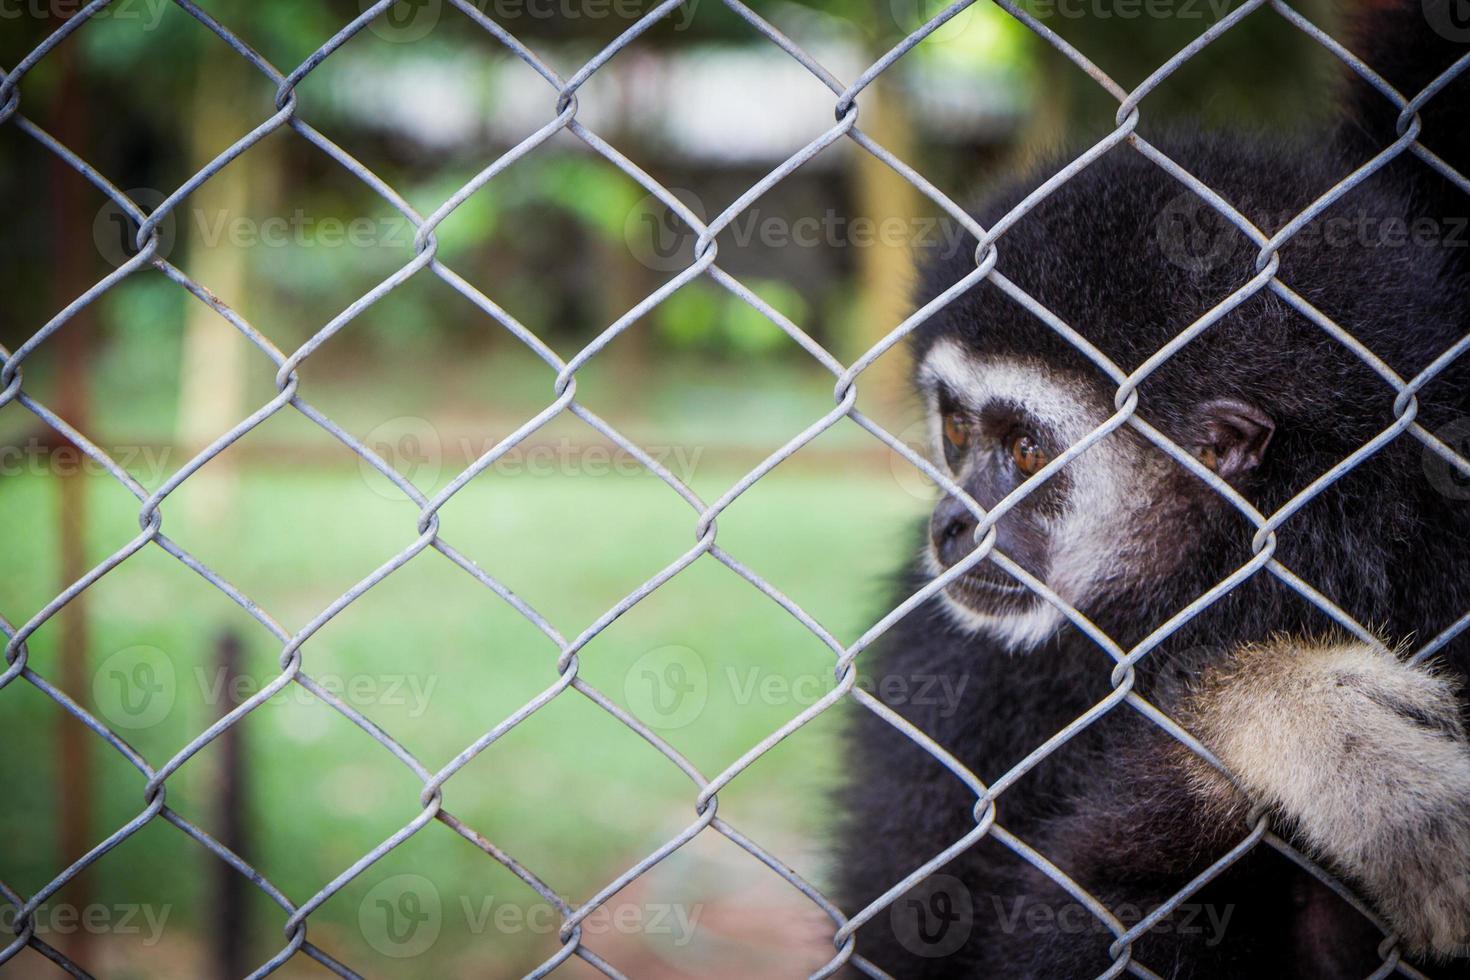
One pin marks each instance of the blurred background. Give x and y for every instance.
(565, 243)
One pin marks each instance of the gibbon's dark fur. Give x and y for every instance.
(1111, 808)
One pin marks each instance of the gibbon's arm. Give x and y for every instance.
(1367, 759)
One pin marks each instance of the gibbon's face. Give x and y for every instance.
(1108, 519)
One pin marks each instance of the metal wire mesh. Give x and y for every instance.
(563, 116)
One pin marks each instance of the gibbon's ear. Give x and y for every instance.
(1230, 436)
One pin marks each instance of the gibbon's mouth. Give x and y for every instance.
(988, 594)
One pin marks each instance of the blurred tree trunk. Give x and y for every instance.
(214, 367)
(214, 357)
(230, 792)
(884, 266)
(625, 285)
(74, 342)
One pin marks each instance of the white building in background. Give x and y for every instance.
(722, 104)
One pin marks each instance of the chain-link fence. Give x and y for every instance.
(562, 116)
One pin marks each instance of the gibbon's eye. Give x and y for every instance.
(955, 427)
(956, 433)
(1027, 455)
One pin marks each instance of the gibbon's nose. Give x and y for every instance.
(952, 529)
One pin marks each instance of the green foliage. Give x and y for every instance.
(748, 330)
(983, 36)
(689, 319)
(285, 32)
(142, 318)
(592, 190)
(704, 318)
(476, 221)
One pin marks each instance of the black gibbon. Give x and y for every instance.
(1358, 755)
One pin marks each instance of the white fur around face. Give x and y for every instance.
(1107, 492)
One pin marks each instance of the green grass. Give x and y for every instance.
(437, 660)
